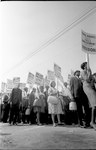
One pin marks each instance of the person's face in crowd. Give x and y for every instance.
(85, 67)
(26, 89)
(65, 83)
(34, 90)
(53, 84)
(78, 74)
(41, 89)
(47, 87)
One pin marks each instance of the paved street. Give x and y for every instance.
(46, 137)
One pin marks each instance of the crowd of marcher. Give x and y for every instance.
(74, 105)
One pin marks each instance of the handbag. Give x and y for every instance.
(37, 103)
(27, 112)
(53, 100)
(72, 106)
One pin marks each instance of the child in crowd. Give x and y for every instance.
(73, 112)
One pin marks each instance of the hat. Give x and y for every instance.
(76, 72)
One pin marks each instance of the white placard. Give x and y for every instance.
(38, 78)
(88, 42)
(50, 75)
(57, 71)
(3, 87)
(9, 86)
(30, 79)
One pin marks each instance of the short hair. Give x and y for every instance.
(5, 97)
(65, 83)
(47, 86)
(52, 82)
(33, 89)
(83, 65)
(76, 72)
(41, 87)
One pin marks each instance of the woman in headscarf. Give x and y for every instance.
(54, 103)
(86, 76)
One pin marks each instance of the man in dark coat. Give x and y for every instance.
(31, 100)
(6, 107)
(15, 104)
(80, 99)
(77, 91)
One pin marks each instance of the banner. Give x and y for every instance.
(30, 79)
(88, 42)
(50, 75)
(16, 81)
(38, 79)
(3, 87)
(57, 71)
(9, 86)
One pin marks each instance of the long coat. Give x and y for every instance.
(76, 87)
(16, 96)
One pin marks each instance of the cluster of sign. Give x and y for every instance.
(32, 79)
(7, 87)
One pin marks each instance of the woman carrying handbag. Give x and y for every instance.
(54, 104)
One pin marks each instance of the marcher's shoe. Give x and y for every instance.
(30, 123)
(39, 124)
(93, 125)
(81, 125)
(73, 124)
(22, 123)
(15, 123)
(60, 123)
(10, 123)
(77, 125)
(88, 126)
(54, 124)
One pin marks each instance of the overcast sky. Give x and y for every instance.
(25, 26)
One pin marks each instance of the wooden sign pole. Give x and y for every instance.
(87, 60)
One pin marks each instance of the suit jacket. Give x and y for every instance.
(16, 96)
(76, 87)
(31, 99)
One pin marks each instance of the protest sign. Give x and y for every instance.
(50, 75)
(38, 78)
(3, 87)
(9, 86)
(57, 71)
(30, 79)
(88, 42)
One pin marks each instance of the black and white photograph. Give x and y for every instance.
(47, 75)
